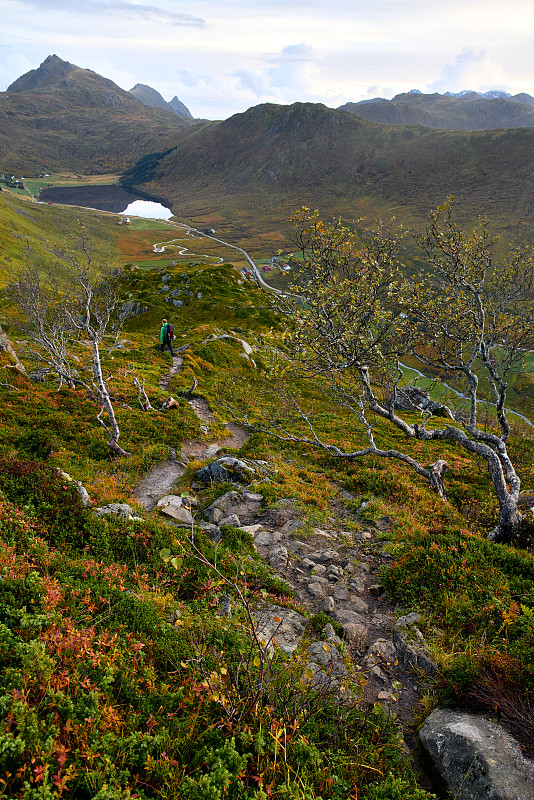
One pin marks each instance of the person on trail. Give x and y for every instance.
(166, 335)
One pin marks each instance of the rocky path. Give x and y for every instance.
(176, 368)
(160, 480)
(333, 571)
(336, 572)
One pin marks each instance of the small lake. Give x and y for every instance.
(111, 197)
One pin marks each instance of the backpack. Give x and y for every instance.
(169, 333)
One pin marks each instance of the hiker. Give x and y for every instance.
(166, 335)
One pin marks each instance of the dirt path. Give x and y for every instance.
(176, 368)
(160, 480)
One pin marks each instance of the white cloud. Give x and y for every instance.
(118, 8)
(469, 70)
(293, 68)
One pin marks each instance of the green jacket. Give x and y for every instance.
(163, 334)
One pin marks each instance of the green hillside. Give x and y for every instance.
(115, 660)
(259, 166)
(133, 661)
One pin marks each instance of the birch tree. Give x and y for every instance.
(69, 329)
(356, 316)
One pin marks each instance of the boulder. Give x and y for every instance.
(281, 625)
(225, 606)
(277, 557)
(244, 504)
(131, 308)
(353, 631)
(328, 605)
(232, 520)
(317, 589)
(323, 556)
(328, 657)
(411, 398)
(231, 470)
(476, 759)
(330, 635)
(345, 616)
(211, 531)
(169, 500)
(382, 651)
(178, 513)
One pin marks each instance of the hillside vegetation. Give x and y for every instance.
(63, 117)
(117, 668)
(257, 167)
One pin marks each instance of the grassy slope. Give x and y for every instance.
(128, 704)
(35, 233)
(256, 168)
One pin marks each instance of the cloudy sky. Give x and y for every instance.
(223, 56)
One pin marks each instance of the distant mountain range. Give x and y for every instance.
(257, 167)
(466, 111)
(59, 116)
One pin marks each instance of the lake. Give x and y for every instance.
(111, 197)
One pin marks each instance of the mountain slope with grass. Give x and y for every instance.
(62, 117)
(121, 674)
(265, 163)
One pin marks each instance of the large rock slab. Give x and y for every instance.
(280, 625)
(179, 514)
(244, 504)
(476, 759)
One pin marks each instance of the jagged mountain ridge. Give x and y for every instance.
(150, 97)
(60, 116)
(462, 111)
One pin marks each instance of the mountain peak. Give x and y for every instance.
(150, 97)
(49, 73)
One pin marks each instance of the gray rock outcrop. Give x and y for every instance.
(121, 510)
(131, 308)
(7, 347)
(280, 625)
(476, 759)
(80, 488)
(244, 504)
(228, 469)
